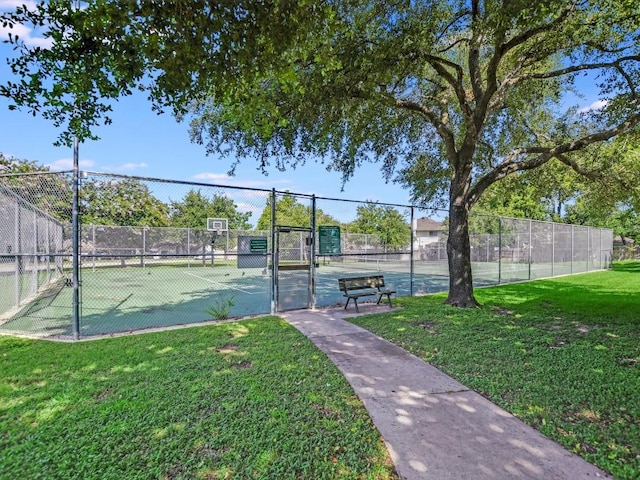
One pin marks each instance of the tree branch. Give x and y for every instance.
(543, 155)
(474, 53)
(586, 66)
(456, 82)
(462, 14)
(570, 162)
(529, 34)
(443, 130)
(488, 102)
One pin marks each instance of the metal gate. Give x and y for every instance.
(293, 268)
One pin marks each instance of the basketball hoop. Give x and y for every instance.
(217, 226)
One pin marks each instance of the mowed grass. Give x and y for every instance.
(563, 355)
(252, 399)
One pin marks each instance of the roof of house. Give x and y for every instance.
(425, 224)
(618, 239)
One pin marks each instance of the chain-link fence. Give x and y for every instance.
(626, 252)
(31, 246)
(157, 253)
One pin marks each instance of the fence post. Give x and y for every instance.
(34, 276)
(93, 247)
(487, 242)
(273, 251)
(313, 252)
(75, 222)
(17, 250)
(411, 258)
(571, 263)
(144, 246)
(600, 266)
(47, 250)
(188, 247)
(588, 247)
(529, 247)
(499, 249)
(553, 247)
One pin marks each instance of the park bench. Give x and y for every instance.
(356, 287)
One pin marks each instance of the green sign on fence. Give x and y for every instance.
(258, 245)
(329, 240)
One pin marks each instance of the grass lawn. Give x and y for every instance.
(563, 355)
(252, 399)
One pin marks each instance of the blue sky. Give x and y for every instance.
(141, 143)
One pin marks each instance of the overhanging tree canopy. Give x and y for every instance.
(451, 95)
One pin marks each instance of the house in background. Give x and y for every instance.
(427, 236)
(426, 231)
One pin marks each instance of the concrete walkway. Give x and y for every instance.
(433, 426)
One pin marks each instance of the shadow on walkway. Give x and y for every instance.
(433, 426)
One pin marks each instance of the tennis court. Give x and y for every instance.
(117, 298)
(135, 276)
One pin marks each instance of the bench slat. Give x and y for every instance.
(355, 283)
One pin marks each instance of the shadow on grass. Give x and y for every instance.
(627, 266)
(618, 302)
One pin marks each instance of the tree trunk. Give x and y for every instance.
(459, 253)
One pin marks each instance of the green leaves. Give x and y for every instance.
(384, 221)
(177, 51)
(121, 202)
(290, 211)
(194, 209)
(448, 97)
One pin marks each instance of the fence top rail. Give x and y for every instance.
(264, 190)
(502, 217)
(33, 174)
(84, 173)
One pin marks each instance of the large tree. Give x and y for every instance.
(291, 212)
(454, 95)
(123, 202)
(384, 221)
(32, 181)
(194, 209)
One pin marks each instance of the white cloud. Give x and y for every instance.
(248, 207)
(212, 176)
(224, 179)
(13, 4)
(131, 166)
(597, 105)
(25, 33)
(67, 164)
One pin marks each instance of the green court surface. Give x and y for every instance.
(116, 299)
(120, 298)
